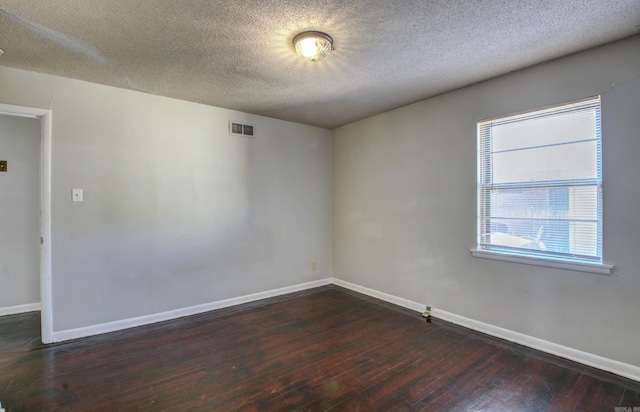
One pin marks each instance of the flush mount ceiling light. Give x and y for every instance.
(313, 45)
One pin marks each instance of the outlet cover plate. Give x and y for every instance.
(76, 195)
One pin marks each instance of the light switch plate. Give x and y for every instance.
(76, 195)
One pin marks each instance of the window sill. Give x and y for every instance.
(599, 268)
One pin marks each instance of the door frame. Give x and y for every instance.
(45, 116)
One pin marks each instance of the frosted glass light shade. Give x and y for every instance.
(313, 45)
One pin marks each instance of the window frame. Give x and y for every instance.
(546, 259)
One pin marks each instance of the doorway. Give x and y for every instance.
(38, 120)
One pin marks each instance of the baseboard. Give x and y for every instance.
(13, 310)
(380, 295)
(63, 335)
(619, 368)
(586, 358)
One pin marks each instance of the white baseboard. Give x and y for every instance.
(117, 325)
(619, 368)
(380, 295)
(12, 310)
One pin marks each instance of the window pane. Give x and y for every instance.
(570, 203)
(542, 131)
(572, 238)
(564, 162)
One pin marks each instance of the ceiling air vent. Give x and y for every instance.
(239, 129)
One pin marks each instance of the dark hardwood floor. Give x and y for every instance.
(20, 332)
(327, 349)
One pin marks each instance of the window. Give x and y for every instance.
(540, 187)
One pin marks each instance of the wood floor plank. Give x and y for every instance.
(319, 350)
(488, 390)
(569, 396)
(396, 387)
(20, 331)
(365, 360)
(608, 394)
(466, 379)
(630, 398)
(333, 362)
(589, 399)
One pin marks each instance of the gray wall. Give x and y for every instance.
(20, 211)
(176, 212)
(405, 207)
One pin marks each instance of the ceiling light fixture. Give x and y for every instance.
(1, 52)
(313, 45)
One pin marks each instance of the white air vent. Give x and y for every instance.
(239, 129)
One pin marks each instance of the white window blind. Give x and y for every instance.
(540, 183)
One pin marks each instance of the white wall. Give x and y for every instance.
(405, 207)
(19, 212)
(176, 212)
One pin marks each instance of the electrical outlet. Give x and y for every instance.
(314, 266)
(76, 195)
(428, 308)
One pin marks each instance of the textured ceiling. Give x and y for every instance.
(238, 54)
